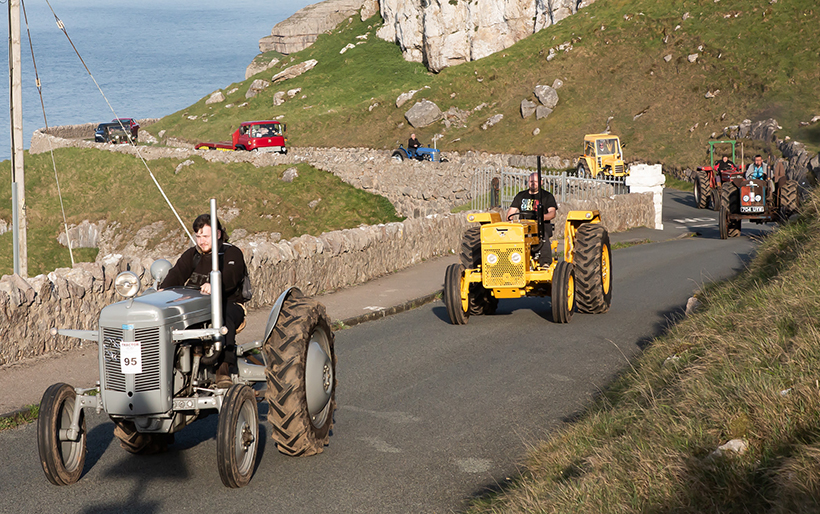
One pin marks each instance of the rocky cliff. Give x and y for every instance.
(442, 33)
(301, 30)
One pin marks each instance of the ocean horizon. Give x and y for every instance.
(151, 58)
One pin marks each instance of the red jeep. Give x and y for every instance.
(253, 136)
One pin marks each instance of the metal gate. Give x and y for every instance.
(496, 188)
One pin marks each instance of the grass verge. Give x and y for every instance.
(28, 415)
(100, 185)
(745, 366)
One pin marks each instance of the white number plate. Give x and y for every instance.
(752, 208)
(131, 357)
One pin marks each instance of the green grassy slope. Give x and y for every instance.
(761, 56)
(99, 185)
(744, 367)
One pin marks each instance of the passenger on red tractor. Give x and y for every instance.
(725, 164)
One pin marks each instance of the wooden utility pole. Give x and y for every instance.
(18, 179)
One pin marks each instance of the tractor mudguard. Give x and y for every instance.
(484, 217)
(574, 220)
(273, 317)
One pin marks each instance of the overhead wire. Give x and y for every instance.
(61, 26)
(50, 147)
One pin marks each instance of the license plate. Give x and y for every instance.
(751, 208)
(130, 357)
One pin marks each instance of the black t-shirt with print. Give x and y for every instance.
(527, 203)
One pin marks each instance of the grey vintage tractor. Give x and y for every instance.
(158, 354)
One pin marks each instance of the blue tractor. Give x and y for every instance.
(421, 153)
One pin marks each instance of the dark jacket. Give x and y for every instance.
(413, 143)
(186, 272)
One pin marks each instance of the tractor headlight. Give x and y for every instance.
(492, 259)
(127, 284)
(515, 258)
(745, 198)
(757, 198)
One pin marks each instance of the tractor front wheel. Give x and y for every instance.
(593, 268)
(582, 171)
(62, 457)
(452, 295)
(715, 196)
(480, 299)
(723, 222)
(730, 198)
(237, 436)
(563, 292)
(301, 377)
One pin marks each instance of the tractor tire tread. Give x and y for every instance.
(591, 241)
(286, 353)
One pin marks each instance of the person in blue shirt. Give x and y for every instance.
(757, 170)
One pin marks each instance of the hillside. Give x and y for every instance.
(760, 57)
(123, 194)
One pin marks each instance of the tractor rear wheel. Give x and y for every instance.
(702, 191)
(789, 200)
(62, 459)
(452, 295)
(593, 269)
(301, 377)
(398, 155)
(480, 299)
(563, 292)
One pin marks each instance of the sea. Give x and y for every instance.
(151, 58)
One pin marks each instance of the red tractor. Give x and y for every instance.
(708, 179)
(773, 199)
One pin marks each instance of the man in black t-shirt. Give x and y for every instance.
(525, 204)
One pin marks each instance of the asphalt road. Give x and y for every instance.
(429, 414)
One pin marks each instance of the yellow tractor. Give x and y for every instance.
(602, 156)
(497, 262)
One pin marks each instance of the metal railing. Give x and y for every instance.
(496, 188)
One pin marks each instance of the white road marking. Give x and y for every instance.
(685, 223)
(373, 308)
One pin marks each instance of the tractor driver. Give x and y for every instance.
(413, 144)
(758, 169)
(193, 269)
(525, 204)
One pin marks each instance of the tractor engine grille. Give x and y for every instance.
(149, 379)
(504, 273)
(619, 168)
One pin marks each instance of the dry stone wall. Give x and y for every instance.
(73, 297)
(415, 188)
